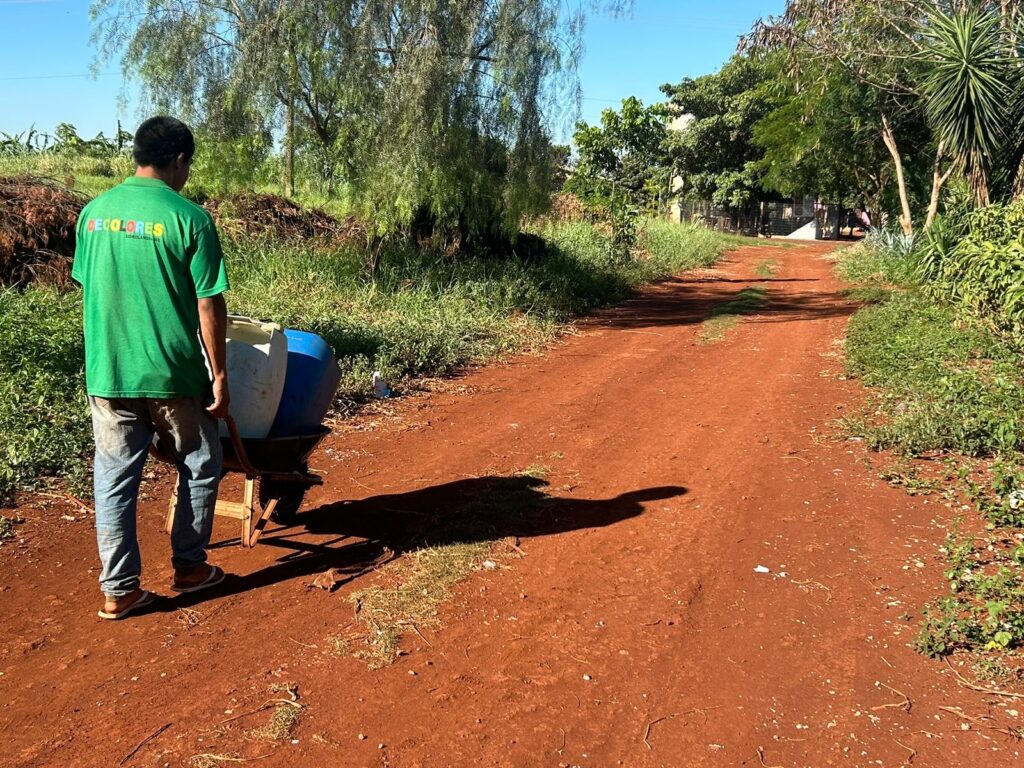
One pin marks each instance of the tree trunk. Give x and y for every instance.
(289, 147)
(938, 179)
(906, 220)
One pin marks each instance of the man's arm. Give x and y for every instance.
(213, 325)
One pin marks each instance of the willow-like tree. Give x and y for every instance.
(428, 109)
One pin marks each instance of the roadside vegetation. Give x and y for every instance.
(419, 312)
(947, 386)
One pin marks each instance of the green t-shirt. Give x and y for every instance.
(144, 255)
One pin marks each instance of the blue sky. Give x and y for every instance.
(46, 57)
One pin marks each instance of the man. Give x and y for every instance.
(152, 273)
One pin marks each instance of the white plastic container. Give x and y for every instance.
(257, 360)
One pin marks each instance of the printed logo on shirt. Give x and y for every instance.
(139, 230)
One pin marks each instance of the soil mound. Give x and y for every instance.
(37, 231)
(263, 214)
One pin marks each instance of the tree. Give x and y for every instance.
(913, 53)
(622, 160)
(823, 137)
(715, 154)
(424, 107)
(970, 91)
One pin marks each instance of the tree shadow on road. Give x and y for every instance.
(363, 534)
(691, 303)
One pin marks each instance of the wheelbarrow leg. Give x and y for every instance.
(171, 505)
(247, 499)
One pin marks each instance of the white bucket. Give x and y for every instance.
(257, 360)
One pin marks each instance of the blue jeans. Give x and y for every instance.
(124, 429)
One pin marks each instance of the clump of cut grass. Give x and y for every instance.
(340, 646)
(539, 471)
(211, 760)
(728, 315)
(425, 579)
(283, 720)
(285, 716)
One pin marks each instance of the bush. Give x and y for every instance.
(978, 262)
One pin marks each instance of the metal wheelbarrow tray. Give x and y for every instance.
(279, 466)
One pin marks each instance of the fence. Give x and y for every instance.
(776, 218)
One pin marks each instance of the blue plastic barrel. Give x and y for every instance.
(309, 385)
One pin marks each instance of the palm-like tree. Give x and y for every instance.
(972, 93)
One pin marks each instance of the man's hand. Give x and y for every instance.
(213, 323)
(221, 399)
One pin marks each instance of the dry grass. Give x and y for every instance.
(279, 727)
(424, 579)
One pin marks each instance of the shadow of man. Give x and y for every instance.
(364, 534)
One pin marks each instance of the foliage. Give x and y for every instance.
(622, 161)
(44, 417)
(426, 109)
(968, 88)
(823, 136)
(715, 154)
(977, 261)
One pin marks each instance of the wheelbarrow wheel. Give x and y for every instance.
(289, 495)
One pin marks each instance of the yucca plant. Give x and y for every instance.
(971, 89)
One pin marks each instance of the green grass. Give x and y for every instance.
(728, 315)
(875, 268)
(941, 383)
(423, 315)
(766, 268)
(941, 380)
(44, 416)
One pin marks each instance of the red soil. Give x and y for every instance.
(633, 632)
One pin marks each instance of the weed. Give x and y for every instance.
(941, 633)
(941, 383)
(903, 473)
(766, 268)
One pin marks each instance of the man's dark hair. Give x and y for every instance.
(161, 139)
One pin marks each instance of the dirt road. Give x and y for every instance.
(635, 631)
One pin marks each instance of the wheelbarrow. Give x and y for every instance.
(276, 477)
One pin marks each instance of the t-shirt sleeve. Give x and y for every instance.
(209, 275)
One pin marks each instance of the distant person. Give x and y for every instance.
(863, 218)
(153, 277)
(851, 220)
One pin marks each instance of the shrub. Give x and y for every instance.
(979, 263)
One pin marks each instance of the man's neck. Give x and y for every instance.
(149, 172)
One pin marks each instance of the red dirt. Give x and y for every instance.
(677, 468)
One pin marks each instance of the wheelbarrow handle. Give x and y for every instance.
(236, 442)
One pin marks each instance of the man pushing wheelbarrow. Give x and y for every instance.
(153, 277)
